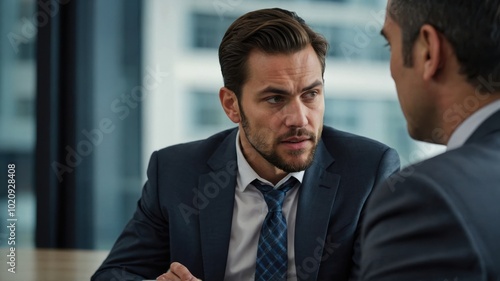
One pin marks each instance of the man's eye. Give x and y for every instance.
(311, 94)
(275, 99)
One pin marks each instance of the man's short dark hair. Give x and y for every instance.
(471, 27)
(272, 31)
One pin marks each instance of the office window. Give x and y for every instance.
(207, 117)
(335, 35)
(334, 1)
(119, 91)
(208, 110)
(17, 117)
(208, 29)
(90, 88)
(360, 95)
(370, 3)
(349, 42)
(379, 119)
(354, 43)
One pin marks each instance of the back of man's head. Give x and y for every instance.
(273, 31)
(472, 27)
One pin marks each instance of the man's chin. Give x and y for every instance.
(293, 168)
(297, 163)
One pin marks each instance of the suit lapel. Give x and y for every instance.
(216, 217)
(490, 125)
(316, 198)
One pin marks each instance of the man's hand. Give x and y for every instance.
(177, 272)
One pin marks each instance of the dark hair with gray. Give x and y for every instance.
(273, 31)
(471, 27)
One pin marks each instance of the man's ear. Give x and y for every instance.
(430, 51)
(229, 103)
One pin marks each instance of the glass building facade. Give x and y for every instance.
(90, 88)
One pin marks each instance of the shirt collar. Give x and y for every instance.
(465, 130)
(246, 174)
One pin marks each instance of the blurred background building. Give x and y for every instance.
(89, 89)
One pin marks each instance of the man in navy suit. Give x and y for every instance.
(201, 211)
(439, 219)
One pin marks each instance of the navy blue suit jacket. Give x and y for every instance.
(439, 219)
(186, 209)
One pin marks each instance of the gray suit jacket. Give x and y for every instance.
(186, 209)
(440, 219)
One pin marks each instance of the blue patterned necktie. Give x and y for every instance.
(272, 257)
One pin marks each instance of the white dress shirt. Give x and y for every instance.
(249, 212)
(465, 130)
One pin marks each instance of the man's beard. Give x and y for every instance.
(272, 156)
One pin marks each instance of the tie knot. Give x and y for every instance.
(274, 197)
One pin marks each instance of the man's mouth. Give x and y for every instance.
(296, 143)
(296, 139)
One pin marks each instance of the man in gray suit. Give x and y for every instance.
(202, 212)
(439, 219)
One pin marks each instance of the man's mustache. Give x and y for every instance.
(300, 132)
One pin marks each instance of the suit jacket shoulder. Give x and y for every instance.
(198, 152)
(186, 209)
(357, 153)
(343, 139)
(433, 220)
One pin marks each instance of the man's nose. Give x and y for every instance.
(296, 114)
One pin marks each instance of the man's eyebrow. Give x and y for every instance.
(274, 90)
(313, 85)
(271, 89)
